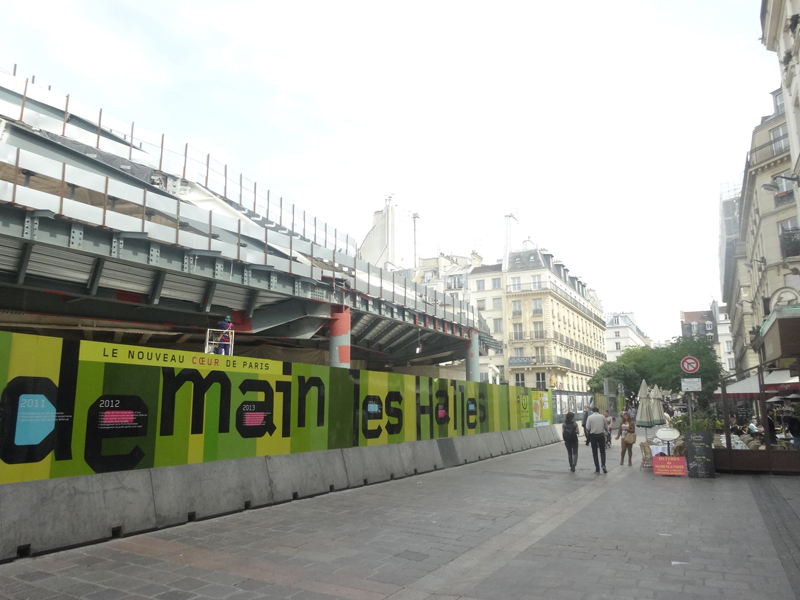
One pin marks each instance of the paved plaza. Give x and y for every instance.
(519, 526)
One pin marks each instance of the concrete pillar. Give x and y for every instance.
(473, 358)
(340, 337)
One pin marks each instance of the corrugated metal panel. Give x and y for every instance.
(404, 338)
(231, 296)
(60, 264)
(376, 333)
(362, 324)
(10, 251)
(183, 288)
(118, 276)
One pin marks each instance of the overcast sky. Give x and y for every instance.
(607, 127)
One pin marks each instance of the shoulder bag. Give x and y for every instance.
(630, 438)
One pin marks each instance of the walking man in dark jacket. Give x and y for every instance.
(596, 429)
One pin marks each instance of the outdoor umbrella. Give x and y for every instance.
(644, 391)
(656, 392)
(650, 413)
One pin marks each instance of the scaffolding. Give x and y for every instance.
(215, 342)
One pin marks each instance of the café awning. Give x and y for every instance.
(747, 389)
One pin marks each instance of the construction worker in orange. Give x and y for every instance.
(224, 344)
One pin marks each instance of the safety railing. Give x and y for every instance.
(64, 116)
(118, 205)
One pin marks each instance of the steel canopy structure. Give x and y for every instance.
(110, 232)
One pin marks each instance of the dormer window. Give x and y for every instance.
(779, 107)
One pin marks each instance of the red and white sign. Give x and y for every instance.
(690, 364)
(669, 465)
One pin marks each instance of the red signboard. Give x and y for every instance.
(669, 465)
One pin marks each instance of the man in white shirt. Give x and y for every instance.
(596, 428)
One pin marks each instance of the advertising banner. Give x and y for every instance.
(76, 408)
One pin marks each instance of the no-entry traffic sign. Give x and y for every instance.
(690, 364)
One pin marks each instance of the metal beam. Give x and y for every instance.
(374, 324)
(303, 329)
(251, 304)
(24, 260)
(208, 296)
(97, 273)
(438, 345)
(388, 335)
(118, 337)
(175, 314)
(356, 318)
(285, 312)
(385, 346)
(158, 286)
(183, 338)
(423, 335)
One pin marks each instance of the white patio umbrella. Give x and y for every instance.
(644, 391)
(650, 412)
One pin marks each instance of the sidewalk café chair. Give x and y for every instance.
(647, 456)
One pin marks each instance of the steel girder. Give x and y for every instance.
(54, 265)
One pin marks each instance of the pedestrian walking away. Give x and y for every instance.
(586, 412)
(627, 430)
(609, 422)
(569, 431)
(596, 427)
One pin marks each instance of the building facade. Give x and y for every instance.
(550, 322)
(699, 323)
(623, 332)
(780, 26)
(759, 237)
(725, 344)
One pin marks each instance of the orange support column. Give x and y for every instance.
(340, 337)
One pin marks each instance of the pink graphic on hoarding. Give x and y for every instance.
(253, 419)
(116, 417)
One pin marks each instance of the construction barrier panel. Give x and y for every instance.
(81, 422)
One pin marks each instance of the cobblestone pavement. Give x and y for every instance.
(515, 527)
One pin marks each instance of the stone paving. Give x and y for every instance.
(514, 527)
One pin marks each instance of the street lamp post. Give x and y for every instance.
(415, 216)
(773, 187)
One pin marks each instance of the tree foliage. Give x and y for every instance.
(662, 367)
(620, 373)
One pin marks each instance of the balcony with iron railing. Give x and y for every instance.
(770, 150)
(790, 242)
(537, 335)
(514, 288)
(548, 286)
(543, 360)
